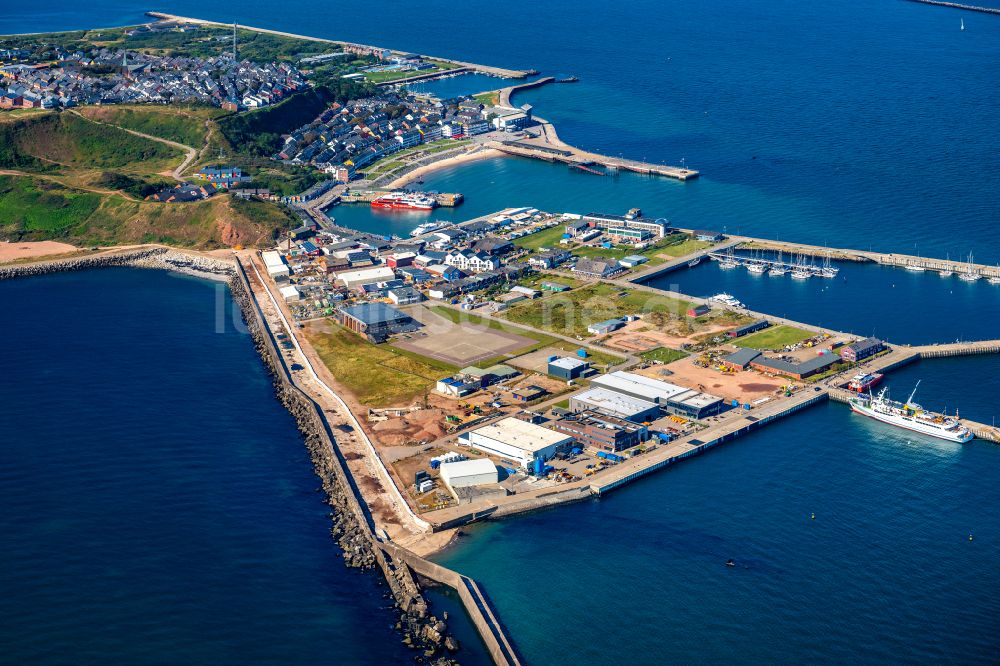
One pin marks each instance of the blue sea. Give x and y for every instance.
(851, 124)
(159, 505)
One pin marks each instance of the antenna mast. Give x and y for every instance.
(234, 41)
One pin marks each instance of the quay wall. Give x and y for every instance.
(603, 488)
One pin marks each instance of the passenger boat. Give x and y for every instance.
(915, 268)
(428, 227)
(404, 201)
(910, 416)
(726, 299)
(863, 381)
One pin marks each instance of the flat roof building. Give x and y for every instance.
(567, 368)
(600, 431)
(290, 293)
(628, 227)
(376, 321)
(616, 404)
(518, 441)
(674, 399)
(354, 279)
(465, 473)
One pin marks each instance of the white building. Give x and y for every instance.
(475, 262)
(290, 293)
(615, 404)
(466, 473)
(353, 279)
(275, 265)
(674, 399)
(517, 440)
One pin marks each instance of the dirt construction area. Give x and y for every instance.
(459, 345)
(745, 386)
(639, 336)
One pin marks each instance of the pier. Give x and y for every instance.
(731, 260)
(907, 261)
(544, 143)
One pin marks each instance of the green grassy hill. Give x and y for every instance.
(38, 209)
(184, 124)
(47, 141)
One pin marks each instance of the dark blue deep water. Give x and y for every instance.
(159, 505)
(855, 123)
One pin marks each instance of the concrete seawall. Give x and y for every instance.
(354, 526)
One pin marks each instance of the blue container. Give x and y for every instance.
(576, 451)
(539, 467)
(552, 358)
(581, 352)
(566, 236)
(606, 245)
(746, 405)
(435, 464)
(736, 403)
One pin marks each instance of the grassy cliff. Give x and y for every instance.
(39, 209)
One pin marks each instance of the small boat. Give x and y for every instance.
(970, 274)
(730, 563)
(694, 262)
(777, 271)
(946, 273)
(994, 280)
(915, 268)
(961, 24)
(800, 274)
(757, 269)
(863, 381)
(726, 299)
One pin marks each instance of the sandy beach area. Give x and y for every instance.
(27, 250)
(402, 181)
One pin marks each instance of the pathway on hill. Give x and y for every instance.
(190, 154)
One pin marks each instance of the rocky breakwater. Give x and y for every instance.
(352, 528)
(108, 260)
(190, 264)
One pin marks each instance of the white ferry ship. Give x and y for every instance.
(404, 201)
(428, 227)
(911, 416)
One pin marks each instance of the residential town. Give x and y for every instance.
(117, 76)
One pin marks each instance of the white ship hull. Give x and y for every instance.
(956, 434)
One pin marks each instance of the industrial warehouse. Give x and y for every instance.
(518, 441)
(672, 399)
